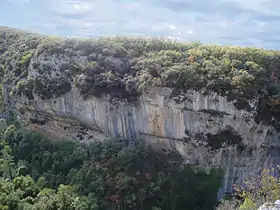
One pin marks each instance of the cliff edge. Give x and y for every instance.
(217, 105)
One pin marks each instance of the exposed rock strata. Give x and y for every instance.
(94, 89)
(186, 127)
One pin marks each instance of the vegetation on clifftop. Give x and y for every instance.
(124, 67)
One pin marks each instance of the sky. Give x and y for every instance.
(231, 22)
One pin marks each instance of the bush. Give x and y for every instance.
(256, 191)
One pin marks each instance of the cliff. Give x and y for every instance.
(216, 105)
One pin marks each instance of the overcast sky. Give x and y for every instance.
(232, 22)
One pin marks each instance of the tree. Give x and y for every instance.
(7, 163)
(259, 190)
(23, 193)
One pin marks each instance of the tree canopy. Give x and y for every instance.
(41, 173)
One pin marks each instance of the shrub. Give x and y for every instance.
(256, 191)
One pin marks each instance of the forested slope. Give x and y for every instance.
(41, 173)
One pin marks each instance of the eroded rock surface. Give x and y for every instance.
(207, 130)
(207, 108)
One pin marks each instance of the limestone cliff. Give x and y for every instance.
(193, 128)
(166, 94)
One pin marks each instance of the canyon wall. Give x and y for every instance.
(201, 101)
(207, 130)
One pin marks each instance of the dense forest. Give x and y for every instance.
(42, 173)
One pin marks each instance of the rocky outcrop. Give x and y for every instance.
(270, 206)
(206, 129)
(198, 100)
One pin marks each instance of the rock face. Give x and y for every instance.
(57, 86)
(270, 206)
(206, 129)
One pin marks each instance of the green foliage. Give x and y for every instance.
(124, 67)
(26, 58)
(25, 87)
(12, 118)
(47, 89)
(256, 191)
(61, 174)
(23, 193)
(261, 189)
(231, 71)
(248, 205)
(2, 105)
(7, 167)
(2, 71)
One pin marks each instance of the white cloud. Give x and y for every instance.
(172, 27)
(238, 22)
(81, 6)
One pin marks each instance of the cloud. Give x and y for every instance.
(233, 22)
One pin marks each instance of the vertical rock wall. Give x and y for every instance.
(186, 127)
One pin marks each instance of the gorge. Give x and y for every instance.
(216, 105)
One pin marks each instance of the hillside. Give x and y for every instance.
(217, 106)
(125, 67)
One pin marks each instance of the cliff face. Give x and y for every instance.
(207, 130)
(76, 91)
